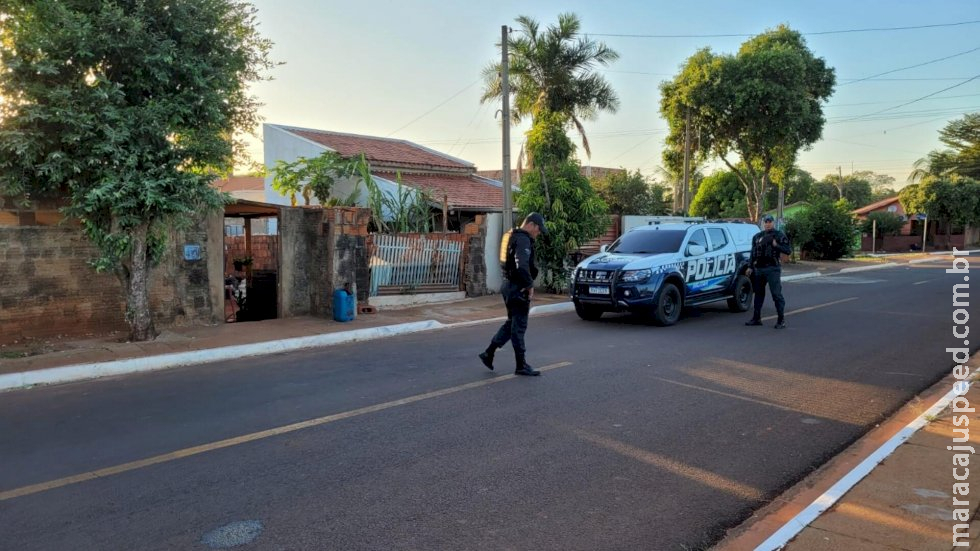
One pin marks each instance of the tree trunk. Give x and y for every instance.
(138, 314)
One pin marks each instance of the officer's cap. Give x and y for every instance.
(768, 218)
(538, 221)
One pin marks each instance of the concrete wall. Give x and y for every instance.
(491, 251)
(301, 268)
(48, 289)
(347, 260)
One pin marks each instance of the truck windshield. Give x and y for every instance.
(648, 242)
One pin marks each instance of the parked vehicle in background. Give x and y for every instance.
(657, 269)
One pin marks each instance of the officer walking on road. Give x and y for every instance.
(764, 269)
(517, 259)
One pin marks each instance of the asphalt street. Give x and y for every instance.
(636, 437)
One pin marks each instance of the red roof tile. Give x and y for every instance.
(465, 192)
(381, 150)
(876, 205)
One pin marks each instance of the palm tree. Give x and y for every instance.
(554, 71)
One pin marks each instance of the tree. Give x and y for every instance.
(557, 189)
(554, 71)
(631, 193)
(857, 191)
(962, 138)
(314, 177)
(950, 200)
(882, 223)
(763, 104)
(128, 111)
(797, 184)
(720, 195)
(824, 230)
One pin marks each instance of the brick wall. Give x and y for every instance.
(265, 251)
(48, 289)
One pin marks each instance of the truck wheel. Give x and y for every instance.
(742, 296)
(587, 312)
(667, 310)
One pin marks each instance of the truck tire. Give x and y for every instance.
(741, 294)
(667, 309)
(588, 312)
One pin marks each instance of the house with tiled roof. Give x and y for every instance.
(450, 182)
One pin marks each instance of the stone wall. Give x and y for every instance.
(47, 287)
(475, 268)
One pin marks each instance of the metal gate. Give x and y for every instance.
(416, 263)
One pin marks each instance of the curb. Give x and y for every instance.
(796, 277)
(80, 372)
(163, 361)
(867, 268)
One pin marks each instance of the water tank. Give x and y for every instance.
(343, 305)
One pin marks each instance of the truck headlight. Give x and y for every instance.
(636, 276)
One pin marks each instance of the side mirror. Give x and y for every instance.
(602, 248)
(695, 250)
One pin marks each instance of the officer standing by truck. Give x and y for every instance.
(517, 258)
(765, 269)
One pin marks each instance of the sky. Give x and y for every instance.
(411, 69)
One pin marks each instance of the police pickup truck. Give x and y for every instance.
(658, 269)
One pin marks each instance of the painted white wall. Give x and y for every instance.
(491, 251)
(282, 145)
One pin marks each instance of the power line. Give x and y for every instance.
(413, 121)
(877, 29)
(913, 101)
(912, 66)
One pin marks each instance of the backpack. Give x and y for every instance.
(505, 248)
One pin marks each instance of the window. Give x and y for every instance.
(718, 238)
(648, 242)
(698, 238)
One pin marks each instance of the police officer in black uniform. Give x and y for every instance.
(764, 269)
(517, 290)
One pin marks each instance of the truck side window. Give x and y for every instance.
(718, 238)
(698, 238)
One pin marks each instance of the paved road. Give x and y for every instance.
(636, 437)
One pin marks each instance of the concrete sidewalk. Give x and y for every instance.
(905, 502)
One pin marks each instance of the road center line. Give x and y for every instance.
(203, 448)
(808, 308)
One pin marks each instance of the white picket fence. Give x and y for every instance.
(416, 263)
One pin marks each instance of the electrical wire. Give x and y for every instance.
(878, 29)
(911, 66)
(416, 119)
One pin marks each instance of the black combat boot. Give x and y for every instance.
(522, 367)
(487, 356)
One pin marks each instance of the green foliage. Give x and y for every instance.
(950, 200)
(764, 104)
(885, 223)
(630, 193)
(855, 189)
(556, 188)
(555, 71)
(797, 183)
(314, 177)
(962, 158)
(720, 195)
(823, 231)
(129, 111)
(406, 211)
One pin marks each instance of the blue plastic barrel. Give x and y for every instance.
(343, 305)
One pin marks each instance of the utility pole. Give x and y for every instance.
(687, 162)
(508, 221)
(840, 183)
